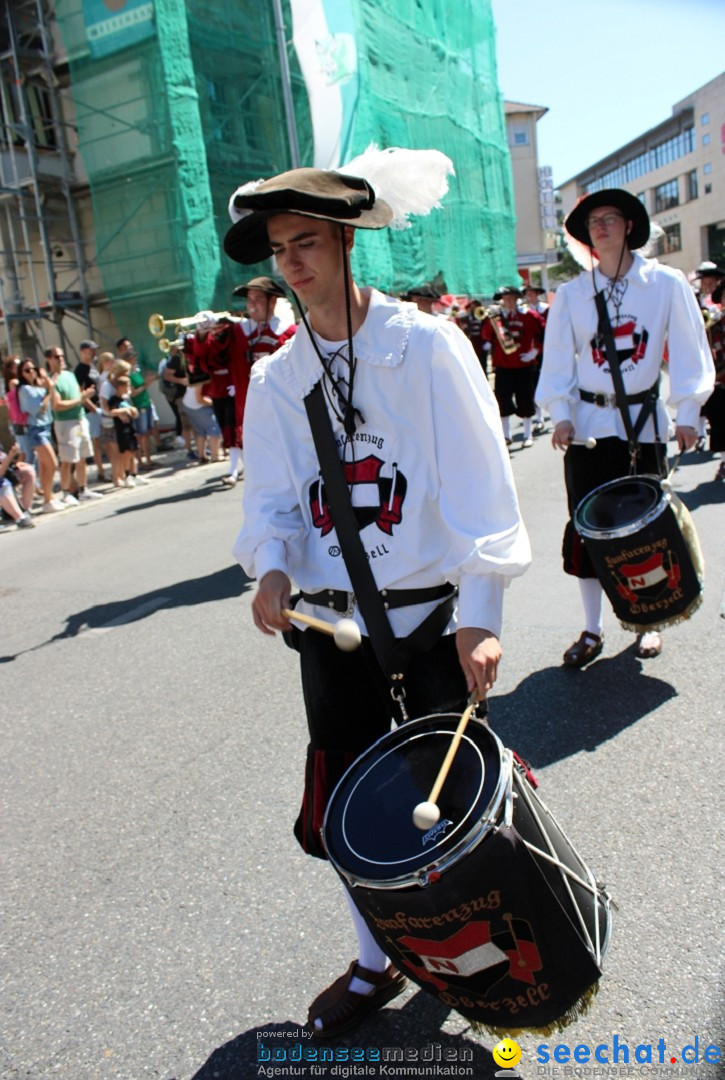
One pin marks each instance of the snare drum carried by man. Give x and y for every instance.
(418, 434)
(650, 306)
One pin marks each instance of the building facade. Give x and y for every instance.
(533, 193)
(677, 169)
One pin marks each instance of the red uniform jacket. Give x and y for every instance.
(522, 329)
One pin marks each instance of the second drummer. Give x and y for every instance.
(430, 483)
(650, 307)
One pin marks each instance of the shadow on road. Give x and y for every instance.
(414, 1027)
(558, 711)
(221, 585)
(708, 494)
(212, 485)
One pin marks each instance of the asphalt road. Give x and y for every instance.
(157, 917)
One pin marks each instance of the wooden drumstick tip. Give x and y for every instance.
(345, 632)
(426, 815)
(347, 635)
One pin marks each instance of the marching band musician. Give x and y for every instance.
(650, 305)
(269, 323)
(409, 405)
(469, 320)
(425, 297)
(222, 349)
(710, 297)
(515, 337)
(535, 305)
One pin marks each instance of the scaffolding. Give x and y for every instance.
(43, 278)
(139, 120)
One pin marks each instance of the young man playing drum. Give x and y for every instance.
(651, 308)
(431, 486)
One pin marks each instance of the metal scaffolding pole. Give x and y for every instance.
(289, 109)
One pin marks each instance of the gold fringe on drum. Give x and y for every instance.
(572, 1014)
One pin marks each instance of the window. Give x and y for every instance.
(706, 140)
(707, 169)
(708, 188)
(666, 196)
(654, 158)
(520, 135)
(671, 241)
(705, 118)
(692, 185)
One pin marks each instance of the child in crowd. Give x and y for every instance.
(124, 413)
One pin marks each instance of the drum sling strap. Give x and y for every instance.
(649, 406)
(392, 654)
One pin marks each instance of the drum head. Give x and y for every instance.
(620, 507)
(369, 831)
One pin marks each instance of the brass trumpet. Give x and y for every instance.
(506, 342)
(165, 344)
(157, 323)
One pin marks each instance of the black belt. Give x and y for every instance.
(20, 429)
(341, 601)
(610, 400)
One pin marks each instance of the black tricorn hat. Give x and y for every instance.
(316, 193)
(425, 292)
(265, 284)
(507, 290)
(528, 287)
(630, 206)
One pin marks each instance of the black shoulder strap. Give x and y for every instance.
(648, 406)
(361, 576)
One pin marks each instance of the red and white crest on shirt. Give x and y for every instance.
(375, 498)
(631, 344)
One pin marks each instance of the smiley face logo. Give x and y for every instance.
(507, 1054)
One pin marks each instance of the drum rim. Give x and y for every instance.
(468, 842)
(634, 526)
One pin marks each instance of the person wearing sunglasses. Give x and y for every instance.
(35, 396)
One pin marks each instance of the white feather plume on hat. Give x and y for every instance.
(409, 181)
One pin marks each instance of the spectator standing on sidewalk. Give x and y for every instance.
(34, 396)
(86, 372)
(71, 428)
(124, 412)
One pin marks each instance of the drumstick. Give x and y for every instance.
(590, 443)
(346, 632)
(666, 482)
(426, 814)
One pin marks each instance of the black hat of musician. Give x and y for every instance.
(629, 205)
(316, 193)
(528, 287)
(709, 269)
(425, 292)
(264, 284)
(506, 290)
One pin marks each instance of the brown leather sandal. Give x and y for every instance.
(648, 652)
(583, 651)
(339, 1008)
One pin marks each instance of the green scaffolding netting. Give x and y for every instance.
(178, 101)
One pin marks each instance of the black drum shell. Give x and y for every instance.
(648, 565)
(495, 934)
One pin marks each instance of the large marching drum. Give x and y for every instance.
(491, 910)
(644, 548)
